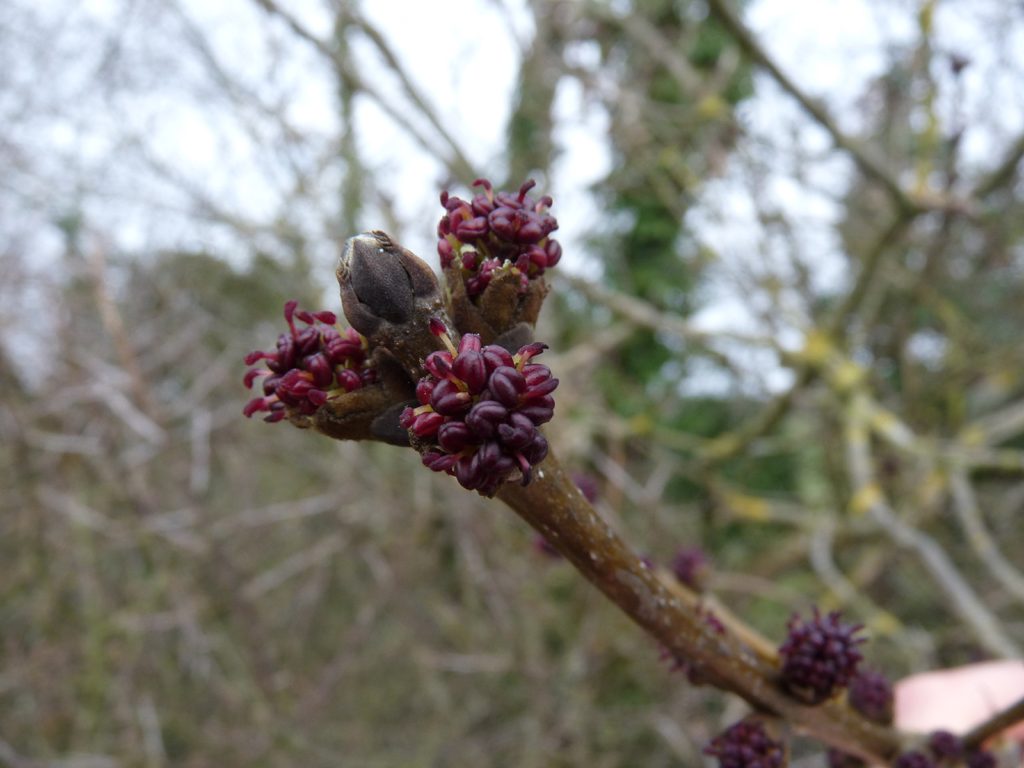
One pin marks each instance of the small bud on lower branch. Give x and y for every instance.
(556, 508)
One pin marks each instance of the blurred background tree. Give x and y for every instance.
(788, 329)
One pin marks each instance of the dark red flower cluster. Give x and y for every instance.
(913, 760)
(820, 656)
(484, 233)
(692, 566)
(945, 745)
(871, 695)
(308, 365)
(481, 407)
(746, 745)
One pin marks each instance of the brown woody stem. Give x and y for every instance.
(554, 506)
(996, 724)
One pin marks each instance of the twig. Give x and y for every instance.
(647, 37)
(457, 167)
(965, 504)
(868, 164)
(868, 497)
(1003, 173)
(869, 266)
(648, 316)
(114, 324)
(554, 506)
(996, 724)
(467, 174)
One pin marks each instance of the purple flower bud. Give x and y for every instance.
(320, 367)
(537, 256)
(270, 384)
(437, 326)
(469, 366)
(469, 342)
(251, 375)
(554, 252)
(536, 373)
(484, 417)
(469, 473)
(439, 462)
(439, 364)
(538, 414)
(540, 390)
(587, 485)
(448, 400)
(424, 388)
(326, 317)
(507, 384)
(255, 356)
(746, 745)
(471, 230)
(529, 230)
(254, 405)
(820, 656)
(308, 341)
(692, 566)
(495, 357)
(530, 351)
(523, 189)
(456, 435)
(349, 379)
(317, 397)
(944, 744)
(286, 355)
(289, 311)
(537, 450)
(517, 437)
(482, 205)
(913, 760)
(501, 221)
(446, 251)
(406, 419)
(871, 694)
(426, 424)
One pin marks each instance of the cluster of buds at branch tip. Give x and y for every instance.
(479, 411)
(871, 694)
(747, 745)
(692, 566)
(820, 657)
(482, 235)
(308, 367)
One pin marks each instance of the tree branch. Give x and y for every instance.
(868, 497)
(553, 505)
(868, 164)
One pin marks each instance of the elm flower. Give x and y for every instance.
(820, 656)
(499, 231)
(479, 411)
(747, 745)
(309, 366)
(691, 566)
(871, 694)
